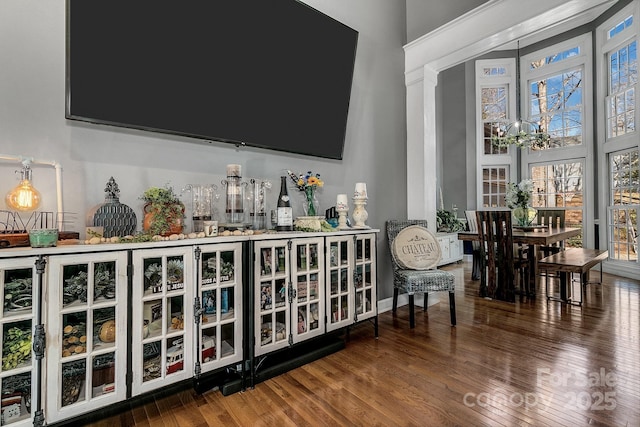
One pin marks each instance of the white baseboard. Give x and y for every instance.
(386, 304)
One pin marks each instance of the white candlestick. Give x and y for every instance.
(441, 199)
(360, 214)
(342, 207)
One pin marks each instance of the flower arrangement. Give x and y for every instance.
(165, 208)
(304, 181)
(519, 195)
(307, 183)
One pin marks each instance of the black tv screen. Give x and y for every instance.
(273, 74)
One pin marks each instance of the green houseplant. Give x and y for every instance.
(163, 211)
(448, 222)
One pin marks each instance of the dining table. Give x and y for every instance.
(532, 237)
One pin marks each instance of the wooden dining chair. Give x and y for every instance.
(472, 224)
(553, 218)
(500, 259)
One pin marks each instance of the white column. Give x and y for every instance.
(421, 145)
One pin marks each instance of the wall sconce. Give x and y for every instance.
(24, 197)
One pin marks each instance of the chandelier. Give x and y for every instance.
(521, 133)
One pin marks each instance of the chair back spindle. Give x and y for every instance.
(497, 276)
(553, 218)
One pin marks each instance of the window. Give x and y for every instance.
(617, 29)
(494, 71)
(495, 107)
(494, 113)
(558, 81)
(623, 79)
(560, 185)
(494, 186)
(617, 56)
(556, 98)
(556, 57)
(624, 203)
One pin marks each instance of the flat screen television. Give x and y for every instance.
(274, 74)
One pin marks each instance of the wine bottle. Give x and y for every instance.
(285, 212)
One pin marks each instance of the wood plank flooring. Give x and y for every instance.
(532, 363)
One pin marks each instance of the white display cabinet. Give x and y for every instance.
(364, 263)
(86, 333)
(272, 294)
(307, 278)
(340, 290)
(351, 279)
(18, 376)
(289, 292)
(162, 317)
(219, 305)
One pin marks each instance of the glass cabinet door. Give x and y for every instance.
(18, 380)
(365, 277)
(308, 282)
(162, 319)
(271, 293)
(340, 290)
(86, 333)
(220, 296)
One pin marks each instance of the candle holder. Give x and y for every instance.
(258, 213)
(343, 209)
(360, 214)
(201, 203)
(235, 195)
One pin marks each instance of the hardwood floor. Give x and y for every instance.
(528, 363)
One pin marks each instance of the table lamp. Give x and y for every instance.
(24, 197)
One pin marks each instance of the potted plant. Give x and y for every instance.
(448, 222)
(163, 211)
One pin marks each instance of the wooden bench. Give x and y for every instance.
(570, 261)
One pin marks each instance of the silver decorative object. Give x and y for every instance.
(117, 219)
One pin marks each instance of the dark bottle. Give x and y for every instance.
(285, 212)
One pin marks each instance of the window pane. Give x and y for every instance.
(556, 103)
(560, 185)
(494, 114)
(623, 75)
(624, 203)
(494, 186)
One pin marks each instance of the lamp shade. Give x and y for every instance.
(361, 190)
(342, 202)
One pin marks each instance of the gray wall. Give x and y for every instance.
(32, 123)
(424, 16)
(452, 134)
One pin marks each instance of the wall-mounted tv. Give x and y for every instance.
(274, 74)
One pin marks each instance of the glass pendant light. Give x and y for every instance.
(24, 197)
